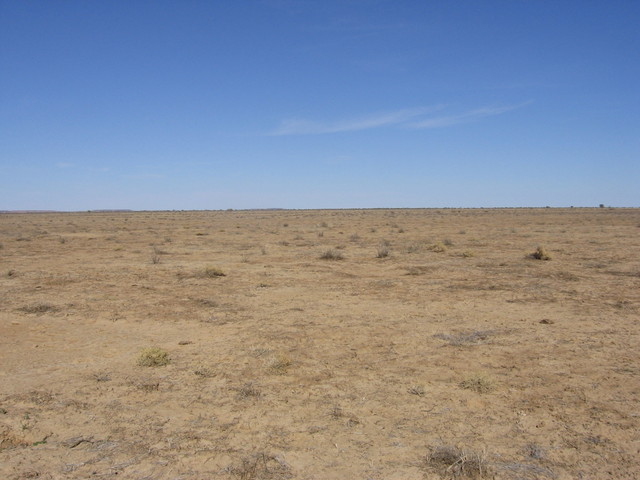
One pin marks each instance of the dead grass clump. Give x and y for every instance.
(461, 339)
(38, 308)
(354, 238)
(261, 467)
(280, 364)
(418, 269)
(414, 248)
(438, 247)
(248, 390)
(478, 382)
(212, 272)
(148, 385)
(153, 357)
(417, 390)
(468, 254)
(203, 371)
(336, 412)
(10, 440)
(540, 254)
(331, 254)
(458, 463)
(155, 258)
(382, 252)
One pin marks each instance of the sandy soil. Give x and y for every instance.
(455, 355)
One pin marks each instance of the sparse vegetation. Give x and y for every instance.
(474, 337)
(478, 382)
(438, 247)
(382, 252)
(331, 254)
(417, 390)
(340, 369)
(458, 462)
(212, 272)
(153, 357)
(248, 390)
(541, 254)
(260, 466)
(280, 363)
(38, 308)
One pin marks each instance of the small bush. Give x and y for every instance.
(280, 364)
(478, 383)
(383, 251)
(417, 390)
(468, 254)
(438, 247)
(153, 357)
(248, 390)
(458, 462)
(212, 272)
(541, 254)
(331, 254)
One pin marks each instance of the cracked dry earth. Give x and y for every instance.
(425, 344)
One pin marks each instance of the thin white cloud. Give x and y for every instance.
(306, 127)
(470, 116)
(144, 176)
(407, 118)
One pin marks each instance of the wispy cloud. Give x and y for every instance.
(306, 127)
(465, 117)
(143, 176)
(414, 118)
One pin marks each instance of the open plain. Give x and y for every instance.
(363, 344)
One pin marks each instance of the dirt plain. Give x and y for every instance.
(436, 347)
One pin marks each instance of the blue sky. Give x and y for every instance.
(318, 104)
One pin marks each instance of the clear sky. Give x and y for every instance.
(318, 104)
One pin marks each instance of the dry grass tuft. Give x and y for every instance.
(478, 382)
(261, 467)
(331, 254)
(38, 308)
(212, 272)
(461, 339)
(541, 254)
(153, 357)
(438, 247)
(458, 463)
(248, 390)
(417, 390)
(280, 363)
(382, 252)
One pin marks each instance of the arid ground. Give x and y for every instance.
(348, 344)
